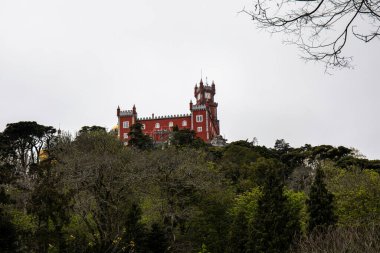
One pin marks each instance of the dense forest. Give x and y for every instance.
(91, 193)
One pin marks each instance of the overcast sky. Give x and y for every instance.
(71, 63)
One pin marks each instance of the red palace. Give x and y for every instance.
(203, 118)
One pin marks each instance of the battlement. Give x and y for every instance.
(126, 113)
(199, 107)
(165, 117)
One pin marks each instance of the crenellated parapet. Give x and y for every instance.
(199, 107)
(126, 113)
(165, 117)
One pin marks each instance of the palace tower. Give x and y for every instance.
(202, 118)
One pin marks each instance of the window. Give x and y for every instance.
(184, 123)
(126, 124)
(171, 124)
(125, 135)
(157, 125)
(199, 129)
(199, 118)
(142, 126)
(208, 95)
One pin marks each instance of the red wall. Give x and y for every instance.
(202, 124)
(161, 133)
(124, 130)
(150, 124)
(164, 125)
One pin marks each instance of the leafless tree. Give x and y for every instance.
(95, 169)
(320, 28)
(341, 239)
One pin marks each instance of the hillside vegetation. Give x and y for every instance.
(91, 193)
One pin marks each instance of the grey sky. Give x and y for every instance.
(70, 63)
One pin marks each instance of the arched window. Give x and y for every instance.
(157, 125)
(171, 124)
(184, 123)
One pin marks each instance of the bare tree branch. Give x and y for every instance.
(322, 28)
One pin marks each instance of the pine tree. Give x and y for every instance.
(204, 249)
(185, 138)
(320, 204)
(157, 239)
(274, 226)
(51, 207)
(8, 235)
(138, 139)
(135, 231)
(238, 236)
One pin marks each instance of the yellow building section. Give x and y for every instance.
(115, 130)
(43, 155)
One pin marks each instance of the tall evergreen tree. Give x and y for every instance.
(157, 241)
(135, 231)
(274, 225)
(185, 138)
(138, 139)
(238, 236)
(8, 235)
(51, 206)
(320, 204)
(8, 231)
(204, 249)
